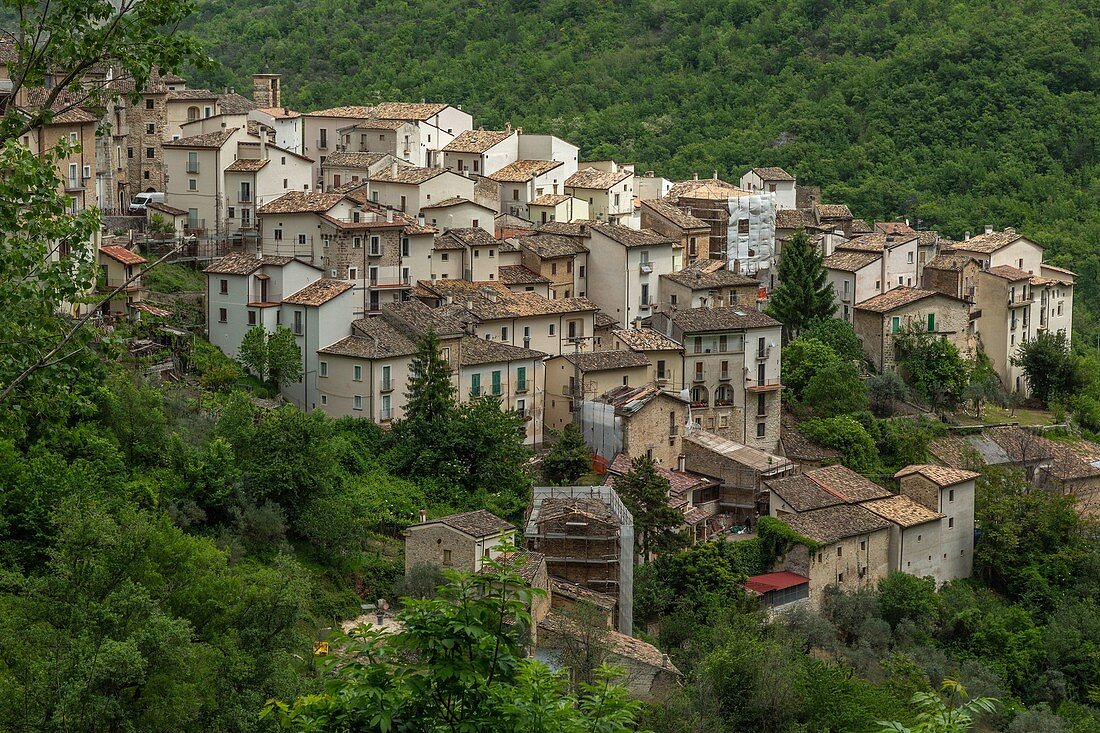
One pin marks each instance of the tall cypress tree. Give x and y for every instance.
(804, 294)
(431, 393)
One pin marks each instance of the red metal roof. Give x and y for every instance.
(123, 255)
(774, 581)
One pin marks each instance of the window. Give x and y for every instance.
(839, 551)
(645, 294)
(552, 329)
(581, 271)
(950, 522)
(910, 258)
(192, 184)
(644, 256)
(515, 194)
(298, 322)
(863, 545)
(278, 234)
(353, 273)
(232, 212)
(222, 317)
(322, 368)
(130, 153)
(224, 287)
(357, 373)
(919, 537)
(698, 344)
(150, 104)
(742, 226)
(660, 369)
(207, 111)
(251, 318)
(301, 239)
(404, 246)
(672, 299)
(444, 257)
(496, 382)
(761, 429)
(324, 399)
(761, 404)
(357, 402)
(475, 385)
(446, 557)
(895, 324)
(723, 344)
(521, 379)
(150, 153)
(150, 128)
(553, 268)
(951, 495)
(492, 252)
(840, 577)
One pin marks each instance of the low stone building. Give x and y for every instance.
(915, 541)
(707, 284)
(881, 320)
(740, 469)
(637, 421)
(572, 378)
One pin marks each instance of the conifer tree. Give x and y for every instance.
(804, 294)
(645, 494)
(431, 393)
(568, 458)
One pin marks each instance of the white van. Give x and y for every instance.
(137, 206)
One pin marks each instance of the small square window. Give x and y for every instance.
(150, 104)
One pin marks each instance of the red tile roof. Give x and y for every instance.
(121, 254)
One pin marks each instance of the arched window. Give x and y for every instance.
(192, 114)
(699, 397)
(723, 395)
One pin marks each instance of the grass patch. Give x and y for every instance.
(173, 277)
(994, 414)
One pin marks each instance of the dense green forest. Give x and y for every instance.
(952, 114)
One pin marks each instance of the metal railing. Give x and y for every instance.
(193, 167)
(698, 376)
(385, 415)
(386, 385)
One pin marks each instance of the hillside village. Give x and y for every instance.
(578, 293)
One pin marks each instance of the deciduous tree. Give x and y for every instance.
(569, 457)
(1049, 367)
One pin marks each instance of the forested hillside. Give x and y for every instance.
(956, 114)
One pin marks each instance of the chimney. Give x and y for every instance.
(906, 222)
(1010, 230)
(420, 219)
(716, 175)
(469, 303)
(681, 462)
(423, 516)
(507, 126)
(966, 236)
(393, 169)
(695, 176)
(988, 228)
(389, 216)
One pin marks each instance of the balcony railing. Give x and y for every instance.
(763, 354)
(380, 281)
(385, 415)
(762, 385)
(698, 377)
(386, 385)
(521, 386)
(193, 167)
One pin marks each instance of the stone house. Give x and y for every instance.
(525, 180)
(608, 191)
(520, 279)
(707, 284)
(855, 277)
(742, 472)
(481, 152)
(635, 421)
(408, 190)
(731, 370)
(707, 199)
(948, 493)
(851, 549)
(954, 275)
(320, 131)
(820, 488)
(695, 496)
(915, 537)
(880, 320)
(120, 267)
(573, 377)
(665, 356)
(562, 260)
(773, 180)
(342, 168)
(458, 213)
(677, 223)
(557, 207)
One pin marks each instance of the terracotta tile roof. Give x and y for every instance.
(345, 159)
(835, 523)
(301, 202)
(802, 493)
(479, 523)
(416, 319)
(376, 123)
(413, 228)
(798, 447)
(773, 174)
(318, 292)
(550, 199)
(453, 201)
(603, 320)
(894, 299)
(246, 165)
(1061, 270)
(470, 236)
(955, 452)
(703, 320)
(525, 563)
(846, 483)
(711, 189)
(1010, 273)
(408, 110)
(477, 141)
(832, 211)
(951, 263)
(489, 300)
(680, 482)
(902, 510)
(628, 237)
(574, 592)
(474, 351)
(599, 361)
(556, 507)
(521, 171)
(859, 226)
(596, 179)
(939, 475)
(206, 140)
(240, 263)
(447, 244)
(234, 104)
(368, 347)
(520, 275)
(645, 339)
(699, 275)
(795, 219)
(171, 210)
(548, 246)
(628, 400)
(411, 176)
(989, 243)
(121, 254)
(618, 644)
(355, 112)
(279, 113)
(675, 214)
(894, 227)
(191, 95)
(851, 261)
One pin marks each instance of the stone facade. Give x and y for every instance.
(145, 172)
(877, 331)
(656, 430)
(860, 561)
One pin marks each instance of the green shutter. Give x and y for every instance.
(931, 322)
(475, 385)
(521, 378)
(496, 382)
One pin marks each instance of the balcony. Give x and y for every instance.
(244, 197)
(763, 354)
(391, 281)
(194, 226)
(386, 385)
(193, 167)
(698, 377)
(1020, 302)
(74, 184)
(762, 385)
(724, 376)
(385, 415)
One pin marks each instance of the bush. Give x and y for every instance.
(843, 433)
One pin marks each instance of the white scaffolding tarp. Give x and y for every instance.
(753, 250)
